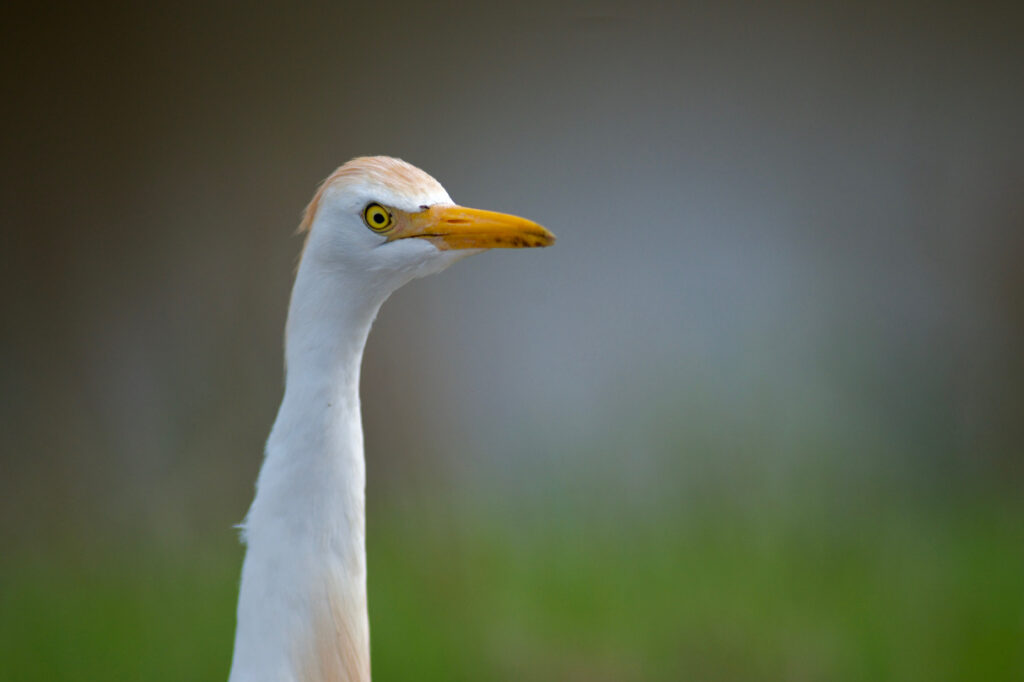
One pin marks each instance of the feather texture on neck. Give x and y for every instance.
(302, 612)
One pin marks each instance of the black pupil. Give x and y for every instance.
(378, 218)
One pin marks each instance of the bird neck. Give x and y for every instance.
(302, 611)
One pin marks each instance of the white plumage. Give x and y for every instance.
(375, 224)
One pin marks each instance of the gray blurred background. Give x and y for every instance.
(787, 275)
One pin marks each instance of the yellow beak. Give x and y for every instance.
(457, 227)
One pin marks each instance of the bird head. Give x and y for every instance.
(390, 222)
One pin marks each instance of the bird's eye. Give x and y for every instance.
(377, 217)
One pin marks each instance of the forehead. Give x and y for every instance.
(380, 178)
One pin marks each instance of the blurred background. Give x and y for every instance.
(758, 415)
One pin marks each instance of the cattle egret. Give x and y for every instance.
(374, 224)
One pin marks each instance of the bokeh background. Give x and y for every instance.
(758, 415)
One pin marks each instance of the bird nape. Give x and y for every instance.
(375, 224)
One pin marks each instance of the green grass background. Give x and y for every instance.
(891, 592)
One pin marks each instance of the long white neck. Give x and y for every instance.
(302, 610)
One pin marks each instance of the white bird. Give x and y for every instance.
(375, 224)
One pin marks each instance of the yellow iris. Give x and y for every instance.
(377, 217)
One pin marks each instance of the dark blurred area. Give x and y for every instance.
(787, 286)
